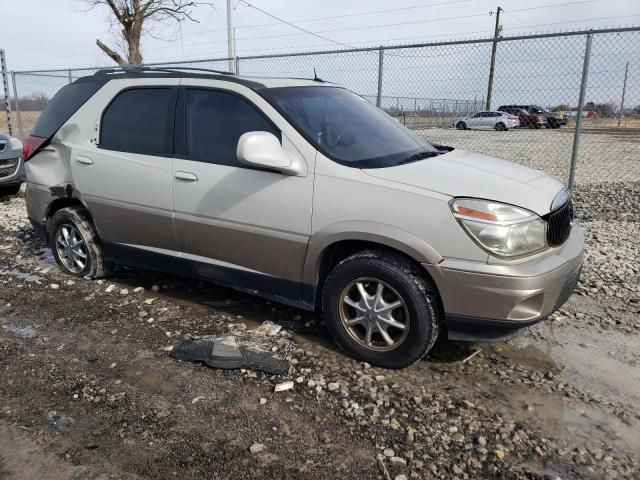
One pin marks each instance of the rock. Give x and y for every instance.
(402, 476)
(263, 401)
(110, 288)
(500, 454)
(482, 441)
(398, 461)
(149, 301)
(124, 291)
(256, 448)
(155, 288)
(197, 399)
(388, 452)
(333, 387)
(54, 286)
(138, 289)
(281, 387)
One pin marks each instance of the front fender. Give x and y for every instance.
(384, 235)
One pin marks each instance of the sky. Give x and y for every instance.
(47, 34)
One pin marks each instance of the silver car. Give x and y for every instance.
(487, 119)
(11, 165)
(301, 192)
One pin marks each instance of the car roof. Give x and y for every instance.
(255, 83)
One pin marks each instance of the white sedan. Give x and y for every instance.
(487, 119)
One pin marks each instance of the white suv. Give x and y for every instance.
(301, 192)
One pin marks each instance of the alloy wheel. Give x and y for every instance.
(71, 248)
(374, 314)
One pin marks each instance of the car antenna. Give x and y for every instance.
(315, 76)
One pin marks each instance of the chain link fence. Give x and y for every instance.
(585, 83)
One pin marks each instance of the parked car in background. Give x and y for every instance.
(488, 119)
(11, 165)
(301, 192)
(527, 120)
(552, 120)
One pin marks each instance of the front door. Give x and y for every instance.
(241, 225)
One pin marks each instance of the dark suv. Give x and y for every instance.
(552, 120)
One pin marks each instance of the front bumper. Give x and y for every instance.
(13, 175)
(485, 301)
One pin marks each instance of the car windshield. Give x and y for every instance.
(347, 128)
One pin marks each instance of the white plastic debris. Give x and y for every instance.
(281, 387)
(269, 329)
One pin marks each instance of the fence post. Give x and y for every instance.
(576, 134)
(70, 77)
(237, 65)
(17, 105)
(380, 71)
(5, 84)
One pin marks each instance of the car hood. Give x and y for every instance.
(460, 173)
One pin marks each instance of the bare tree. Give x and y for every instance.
(136, 17)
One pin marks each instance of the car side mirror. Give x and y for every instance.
(263, 149)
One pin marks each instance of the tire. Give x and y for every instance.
(75, 221)
(420, 310)
(10, 191)
(536, 126)
(501, 127)
(461, 126)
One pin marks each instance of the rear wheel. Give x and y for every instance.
(75, 245)
(380, 308)
(461, 126)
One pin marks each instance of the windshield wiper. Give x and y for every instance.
(419, 156)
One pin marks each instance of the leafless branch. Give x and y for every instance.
(115, 56)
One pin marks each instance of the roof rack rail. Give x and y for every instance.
(142, 69)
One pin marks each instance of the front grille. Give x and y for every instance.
(559, 225)
(8, 167)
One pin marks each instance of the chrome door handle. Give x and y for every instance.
(186, 176)
(84, 160)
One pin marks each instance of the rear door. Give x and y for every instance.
(124, 173)
(243, 225)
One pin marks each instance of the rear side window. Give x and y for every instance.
(140, 120)
(63, 105)
(215, 121)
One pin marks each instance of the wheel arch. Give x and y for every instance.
(330, 247)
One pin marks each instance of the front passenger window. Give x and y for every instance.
(215, 121)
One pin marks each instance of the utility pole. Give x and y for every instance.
(496, 33)
(624, 90)
(230, 38)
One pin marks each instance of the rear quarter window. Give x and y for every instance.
(63, 105)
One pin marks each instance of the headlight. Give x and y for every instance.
(501, 229)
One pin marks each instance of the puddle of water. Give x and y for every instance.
(600, 361)
(28, 277)
(149, 380)
(22, 332)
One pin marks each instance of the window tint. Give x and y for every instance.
(63, 105)
(140, 120)
(215, 121)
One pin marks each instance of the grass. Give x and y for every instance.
(28, 120)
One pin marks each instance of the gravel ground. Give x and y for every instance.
(88, 389)
(605, 155)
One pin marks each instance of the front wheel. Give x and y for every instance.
(75, 245)
(501, 127)
(381, 309)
